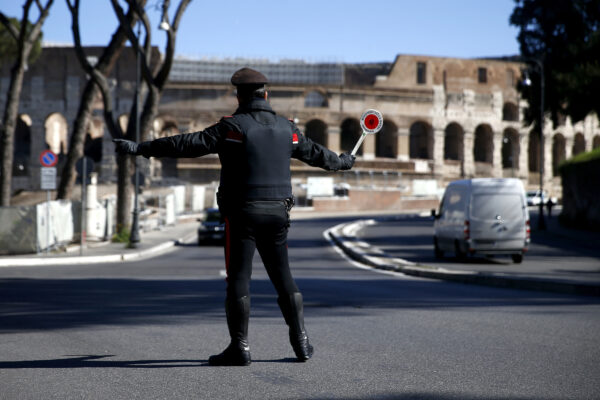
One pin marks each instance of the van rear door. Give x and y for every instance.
(496, 218)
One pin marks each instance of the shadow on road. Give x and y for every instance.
(100, 361)
(46, 304)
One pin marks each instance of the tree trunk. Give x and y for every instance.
(8, 130)
(77, 141)
(124, 190)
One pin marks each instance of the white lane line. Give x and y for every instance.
(356, 263)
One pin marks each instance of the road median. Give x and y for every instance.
(344, 237)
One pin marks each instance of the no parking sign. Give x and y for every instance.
(48, 158)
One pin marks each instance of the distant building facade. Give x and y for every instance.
(445, 118)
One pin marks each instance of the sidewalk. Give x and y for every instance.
(562, 260)
(152, 243)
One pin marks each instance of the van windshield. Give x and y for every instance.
(492, 206)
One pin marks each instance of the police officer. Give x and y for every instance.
(255, 146)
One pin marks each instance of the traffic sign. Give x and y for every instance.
(48, 158)
(48, 178)
(371, 121)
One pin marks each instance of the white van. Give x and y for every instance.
(484, 216)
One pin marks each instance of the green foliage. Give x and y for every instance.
(565, 36)
(581, 158)
(8, 44)
(121, 236)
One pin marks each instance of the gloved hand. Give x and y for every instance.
(123, 146)
(347, 161)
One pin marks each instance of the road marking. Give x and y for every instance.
(356, 263)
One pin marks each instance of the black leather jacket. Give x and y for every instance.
(255, 147)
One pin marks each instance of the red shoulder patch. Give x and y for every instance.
(294, 138)
(227, 116)
(235, 137)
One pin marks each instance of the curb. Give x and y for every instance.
(343, 236)
(156, 250)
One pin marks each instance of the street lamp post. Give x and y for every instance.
(134, 237)
(527, 82)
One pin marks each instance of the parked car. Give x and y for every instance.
(211, 229)
(482, 216)
(534, 198)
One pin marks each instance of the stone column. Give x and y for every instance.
(333, 138)
(438, 151)
(522, 165)
(548, 174)
(403, 149)
(368, 147)
(569, 141)
(469, 160)
(497, 137)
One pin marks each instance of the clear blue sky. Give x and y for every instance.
(324, 30)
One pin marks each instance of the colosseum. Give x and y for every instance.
(444, 118)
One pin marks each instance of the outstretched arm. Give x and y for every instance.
(319, 156)
(186, 145)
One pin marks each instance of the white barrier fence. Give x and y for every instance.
(26, 229)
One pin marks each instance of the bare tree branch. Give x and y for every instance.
(163, 75)
(9, 27)
(133, 39)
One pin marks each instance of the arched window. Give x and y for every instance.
(22, 146)
(386, 140)
(559, 153)
(510, 149)
(510, 112)
(316, 130)
(578, 144)
(350, 133)
(483, 149)
(56, 133)
(315, 99)
(453, 142)
(421, 141)
(534, 151)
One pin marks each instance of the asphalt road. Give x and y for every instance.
(552, 254)
(144, 330)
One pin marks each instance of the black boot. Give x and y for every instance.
(238, 351)
(292, 310)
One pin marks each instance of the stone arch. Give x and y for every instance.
(510, 149)
(421, 140)
(316, 98)
(350, 132)
(92, 146)
(453, 142)
(56, 132)
(22, 146)
(533, 152)
(559, 152)
(386, 140)
(510, 112)
(578, 143)
(483, 147)
(316, 130)
(596, 142)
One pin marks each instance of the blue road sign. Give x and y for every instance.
(48, 158)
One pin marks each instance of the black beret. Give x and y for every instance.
(248, 76)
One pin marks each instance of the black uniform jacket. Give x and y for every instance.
(254, 146)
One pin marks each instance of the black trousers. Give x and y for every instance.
(261, 225)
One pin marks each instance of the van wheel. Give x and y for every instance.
(437, 252)
(517, 258)
(461, 255)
